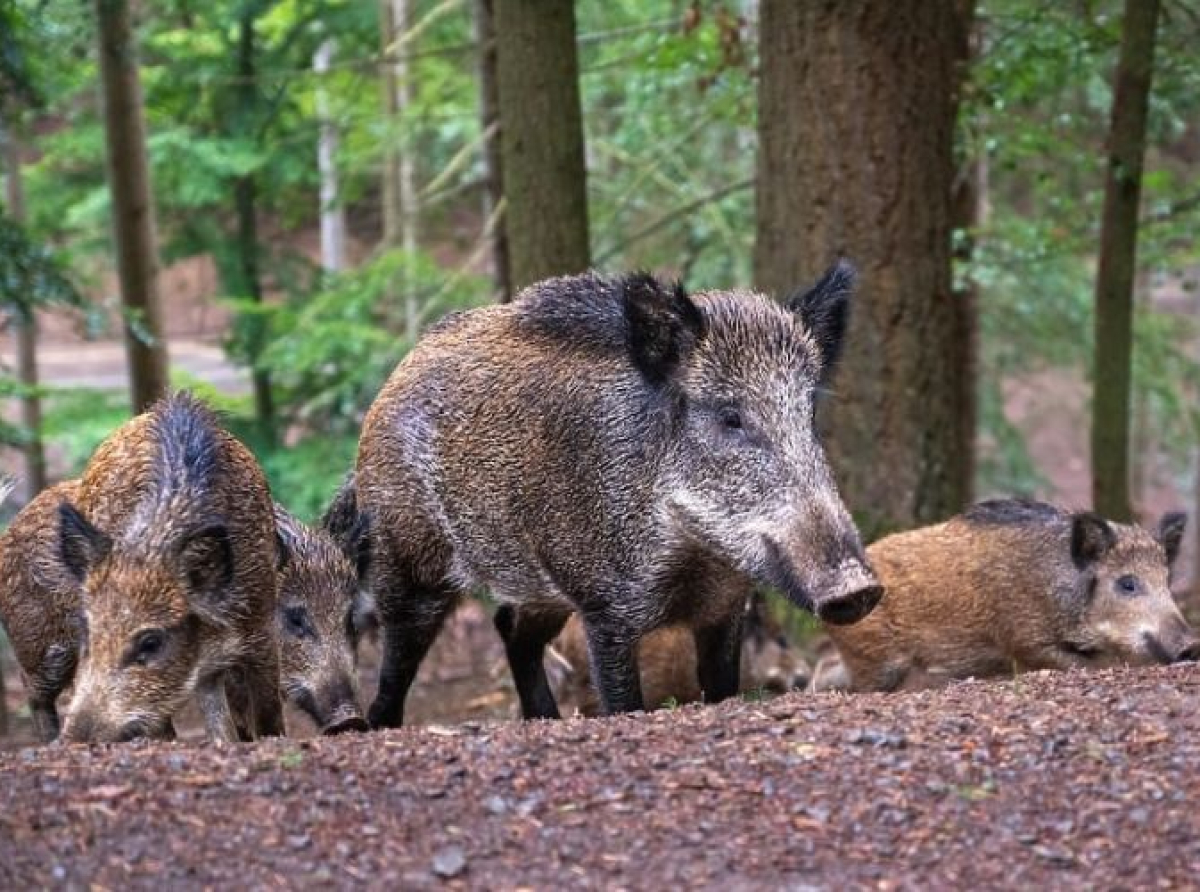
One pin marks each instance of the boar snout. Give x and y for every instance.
(346, 718)
(333, 707)
(853, 593)
(839, 595)
(1182, 647)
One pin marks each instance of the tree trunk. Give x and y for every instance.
(245, 197)
(133, 207)
(541, 139)
(489, 118)
(969, 216)
(333, 216)
(25, 329)
(401, 206)
(1118, 262)
(857, 106)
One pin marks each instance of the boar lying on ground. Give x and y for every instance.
(41, 608)
(1014, 585)
(613, 447)
(168, 543)
(667, 662)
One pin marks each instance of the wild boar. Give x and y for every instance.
(170, 536)
(318, 588)
(1014, 585)
(41, 607)
(667, 662)
(615, 447)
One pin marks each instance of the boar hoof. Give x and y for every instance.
(354, 723)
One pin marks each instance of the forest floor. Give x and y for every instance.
(1045, 781)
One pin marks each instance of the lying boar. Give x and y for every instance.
(41, 609)
(614, 447)
(667, 662)
(170, 536)
(1014, 585)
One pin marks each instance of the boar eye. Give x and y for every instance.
(1127, 585)
(731, 418)
(147, 644)
(296, 623)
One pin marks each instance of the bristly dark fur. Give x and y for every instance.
(349, 527)
(1013, 511)
(663, 324)
(187, 432)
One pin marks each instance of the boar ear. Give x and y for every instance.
(81, 546)
(1170, 533)
(356, 543)
(664, 325)
(1091, 537)
(825, 310)
(206, 562)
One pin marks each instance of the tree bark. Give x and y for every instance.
(1112, 362)
(857, 106)
(969, 216)
(541, 139)
(333, 216)
(133, 207)
(25, 332)
(245, 198)
(489, 117)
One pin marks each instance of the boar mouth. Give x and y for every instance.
(1077, 649)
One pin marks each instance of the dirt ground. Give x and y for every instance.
(1050, 781)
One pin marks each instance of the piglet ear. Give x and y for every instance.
(664, 325)
(1091, 538)
(81, 545)
(357, 546)
(1170, 533)
(825, 311)
(206, 564)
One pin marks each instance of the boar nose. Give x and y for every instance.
(853, 593)
(348, 719)
(1189, 653)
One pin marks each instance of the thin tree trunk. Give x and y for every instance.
(401, 206)
(541, 139)
(1118, 262)
(25, 329)
(489, 118)
(970, 215)
(133, 207)
(333, 216)
(245, 197)
(857, 107)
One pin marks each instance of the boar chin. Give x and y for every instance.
(839, 595)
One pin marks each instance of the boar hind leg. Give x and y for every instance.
(410, 621)
(612, 653)
(719, 659)
(525, 636)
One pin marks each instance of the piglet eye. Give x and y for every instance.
(1127, 585)
(731, 418)
(147, 644)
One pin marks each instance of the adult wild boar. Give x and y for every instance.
(615, 447)
(171, 537)
(1013, 585)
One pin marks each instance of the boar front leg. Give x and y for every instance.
(262, 685)
(411, 618)
(525, 636)
(612, 653)
(214, 706)
(719, 659)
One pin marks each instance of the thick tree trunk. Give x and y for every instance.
(489, 117)
(133, 207)
(333, 216)
(25, 330)
(857, 106)
(245, 198)
(401, 206)
(1118, 261)
(541, 139)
